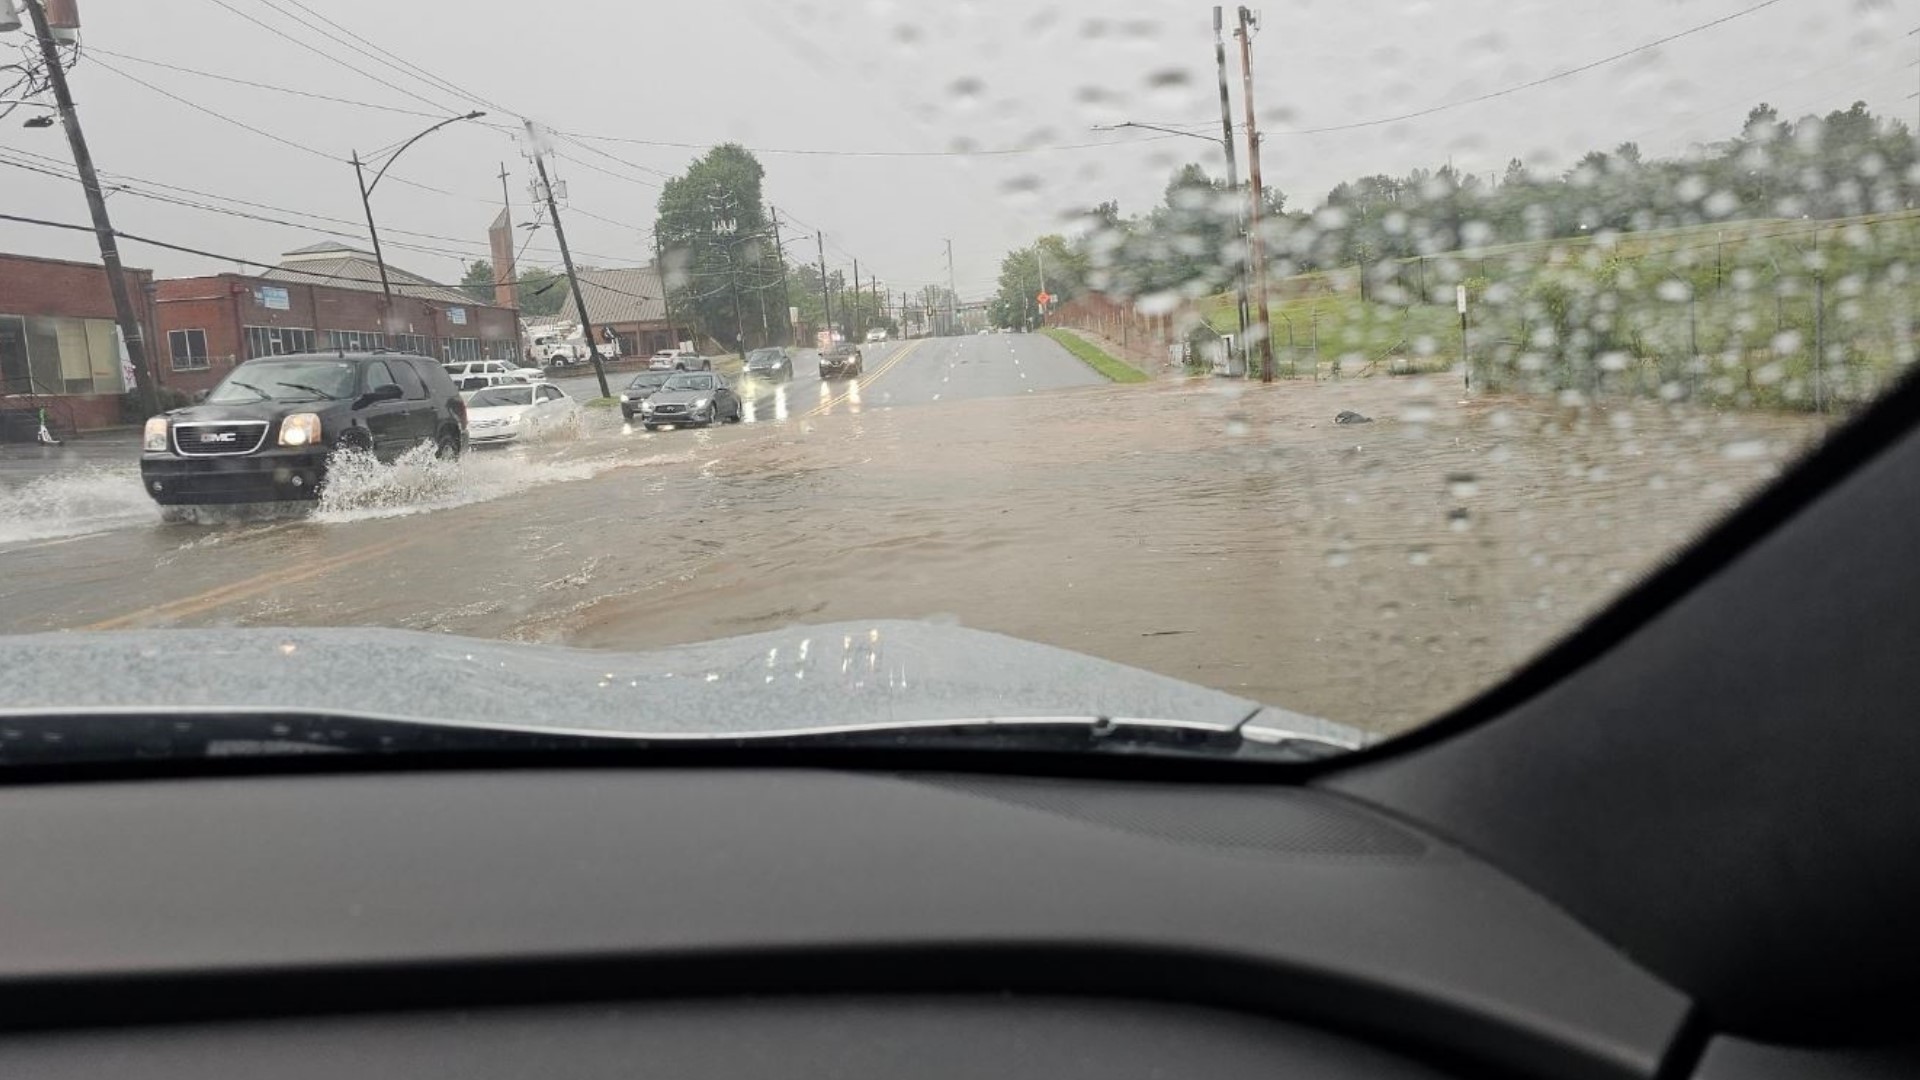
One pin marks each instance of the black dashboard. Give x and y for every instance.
(742, 922)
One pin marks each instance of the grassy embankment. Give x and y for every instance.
(1729, 313)
(1096, 358)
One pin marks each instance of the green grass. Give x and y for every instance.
(1724, 312)
(1096, 358)
(601, 403)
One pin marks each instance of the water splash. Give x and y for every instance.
(89, 500)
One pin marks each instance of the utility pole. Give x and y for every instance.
(786, 300)
(1233, 167)
(566, 257)
(826, 294)
(130, 331)
(853, 314)
(379, 260)
(1256, 247)
(953, 295)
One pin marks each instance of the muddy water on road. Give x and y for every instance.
(1372, 573)
(1234, 537)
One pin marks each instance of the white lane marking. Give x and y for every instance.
(936, 397)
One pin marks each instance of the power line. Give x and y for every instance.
(472, 245)
(1531, 84)
(323, 54)
(217, 115)
(95, 50)
(1006, 151)
(419, 73)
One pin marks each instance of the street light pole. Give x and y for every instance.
(123, 315)
(366, 196)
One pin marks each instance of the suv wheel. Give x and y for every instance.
(447, 446)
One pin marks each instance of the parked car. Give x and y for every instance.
(473, 384)
(643, 386)
(468, 375)
(702, 399)
(773, 363)
(502, 414)
(679, 360)
(841, 360)
(265, 433)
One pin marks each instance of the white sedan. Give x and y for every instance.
(504, 413)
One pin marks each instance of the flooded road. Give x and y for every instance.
(1233, 536)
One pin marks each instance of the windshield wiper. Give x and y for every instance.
(263, 395)
(309, 389)
(80, 737)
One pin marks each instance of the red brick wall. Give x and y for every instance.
(56, 287)
(225, 305)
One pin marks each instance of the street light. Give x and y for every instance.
(366, 195)
(45, 120)
(1226, 146)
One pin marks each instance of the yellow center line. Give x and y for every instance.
(892, 362)
(253, 586)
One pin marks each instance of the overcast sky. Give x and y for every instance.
(884, 75)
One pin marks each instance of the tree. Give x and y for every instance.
(717, 242)
(1016, 304)
(478, 282)
(542, 293)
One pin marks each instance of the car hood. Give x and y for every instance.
(678, 397)
(812, 678)
(496, 412)
(253, 410)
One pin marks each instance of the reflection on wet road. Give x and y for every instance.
(1229, 535)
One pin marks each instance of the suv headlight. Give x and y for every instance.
(300, 429)
(156, 437)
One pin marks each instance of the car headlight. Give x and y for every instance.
(156, 437)
(701, 404)
(647, 405)
(300, 429)
(623, 399)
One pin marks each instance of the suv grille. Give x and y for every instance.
(217, 439)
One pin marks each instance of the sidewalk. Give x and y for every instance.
(24, 462)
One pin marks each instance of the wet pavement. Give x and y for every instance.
(1230, 535)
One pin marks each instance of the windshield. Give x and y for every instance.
(501, 395)
(285, 380)
(1347, 391)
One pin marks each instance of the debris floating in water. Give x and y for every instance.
(1348, 416)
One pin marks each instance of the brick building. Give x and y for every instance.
(631, 303)
(322, 297)
(59, 345)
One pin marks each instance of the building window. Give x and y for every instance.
(54, 356)
(413, 343)
(354, 341)
(503, 349)
(461, 349)
(189, 348)
(277, 341)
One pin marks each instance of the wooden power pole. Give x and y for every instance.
(1257, 245)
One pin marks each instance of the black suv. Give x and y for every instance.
(264, 434)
